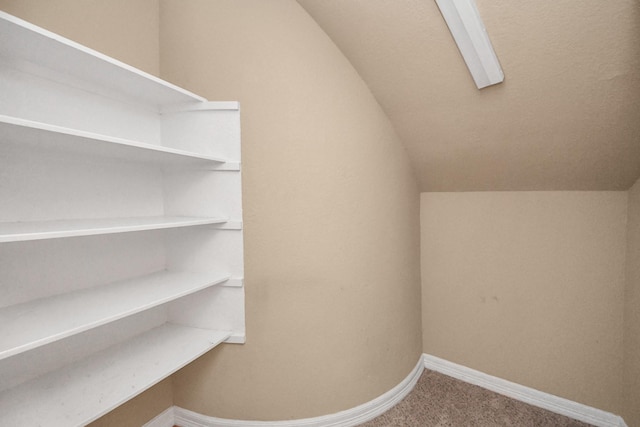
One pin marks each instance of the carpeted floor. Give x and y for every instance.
(439, 400)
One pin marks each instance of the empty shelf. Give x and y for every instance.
(39, 51)
(42, 135)
(38, 230)
(80, 393)
(42, 321)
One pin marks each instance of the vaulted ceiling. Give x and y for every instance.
(567, 116)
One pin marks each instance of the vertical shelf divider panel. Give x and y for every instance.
(212, 128)
(99, 159)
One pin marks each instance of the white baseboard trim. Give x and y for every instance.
(165, 418)
(367, 411)
(350, 417)
(525, 394)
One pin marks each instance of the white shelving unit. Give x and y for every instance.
(38, 230)
(121, 253)
(46, 136)
(91, 387)
(36, 50)
(42, 321)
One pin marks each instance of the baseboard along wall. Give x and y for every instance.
(369, 410)
(165, 418)
(525, 394)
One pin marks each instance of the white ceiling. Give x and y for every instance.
(567, 116)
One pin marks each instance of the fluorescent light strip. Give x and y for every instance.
(468, 31)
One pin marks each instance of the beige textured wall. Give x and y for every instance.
(631, 411)
(528, 286)
(331, 212)
(127, 30)
(565, 117)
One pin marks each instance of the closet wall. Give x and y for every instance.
(331, 212)
(631, 411)
(529, 286)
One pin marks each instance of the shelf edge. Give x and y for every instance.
(109, 61)
(45, 235)
(104, 321)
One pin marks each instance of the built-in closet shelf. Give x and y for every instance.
(39, 230)
(88, 389)
(45, 320)
(90, 146)
(45, 136)
(37, 51)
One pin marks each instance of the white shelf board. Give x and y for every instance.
(204, 106)
(45, 320)
(39, 51)
(41, 135)
(86, 390)
(38, 230)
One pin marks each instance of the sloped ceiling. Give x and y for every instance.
(567, 116)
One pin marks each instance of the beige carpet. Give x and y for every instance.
(439, 400)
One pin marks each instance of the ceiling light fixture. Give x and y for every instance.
(471, 36)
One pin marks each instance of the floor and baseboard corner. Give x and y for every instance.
(370, 410)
